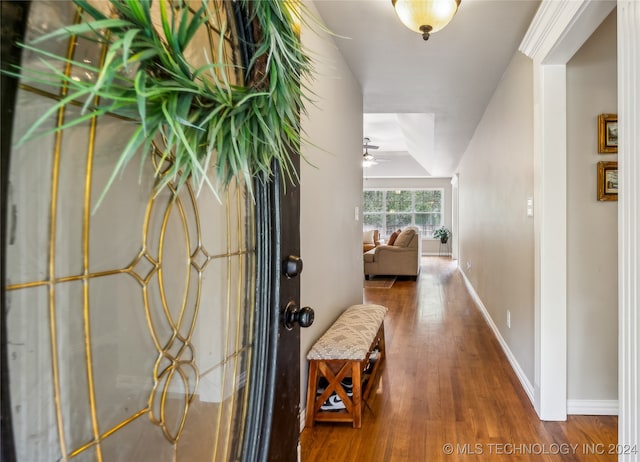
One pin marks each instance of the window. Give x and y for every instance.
(389, 210)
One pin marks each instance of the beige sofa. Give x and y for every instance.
(400, 259)
(370, 239)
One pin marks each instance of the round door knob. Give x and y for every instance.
(292, 314)
(306, 316)
(292, 266)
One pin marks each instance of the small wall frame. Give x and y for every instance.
(607, 181)
(608, 133)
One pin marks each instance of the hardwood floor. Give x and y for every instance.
(448, 393)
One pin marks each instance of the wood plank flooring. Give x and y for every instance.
(448, 393)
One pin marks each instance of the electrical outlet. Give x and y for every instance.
(357, 213)
(468, 265)
(509, 319)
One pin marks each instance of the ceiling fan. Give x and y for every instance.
(367, 159)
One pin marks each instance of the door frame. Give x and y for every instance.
(13, 19)
(551, 48)
(557, 31)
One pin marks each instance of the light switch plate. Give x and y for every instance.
(530, 206)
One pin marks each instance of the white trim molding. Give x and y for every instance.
(628, 16)
(558, 30)
(515, 365)
(550, 22)
(592, 407)
(303, 419)
(550, 205)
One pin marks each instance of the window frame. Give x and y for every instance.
(383, 212)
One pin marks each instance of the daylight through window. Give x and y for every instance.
(388, 210)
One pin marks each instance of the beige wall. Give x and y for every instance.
(496, 235)
(331, 189)
(429, 246)
(592, 245)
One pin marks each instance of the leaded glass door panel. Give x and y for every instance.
(130, 326)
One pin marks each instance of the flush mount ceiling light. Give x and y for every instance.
(425, 16)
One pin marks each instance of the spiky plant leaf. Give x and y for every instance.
(200, 115)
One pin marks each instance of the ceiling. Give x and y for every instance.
(425, 99)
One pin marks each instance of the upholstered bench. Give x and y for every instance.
(344, 366)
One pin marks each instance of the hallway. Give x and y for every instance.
(448, 393)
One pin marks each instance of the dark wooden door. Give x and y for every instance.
(286, 402)
(277, 366)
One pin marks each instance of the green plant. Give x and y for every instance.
(442, 233)
(200, 117)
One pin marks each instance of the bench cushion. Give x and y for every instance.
(351, 335)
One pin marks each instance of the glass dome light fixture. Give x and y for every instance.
(425, 16)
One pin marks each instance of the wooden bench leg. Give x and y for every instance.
(312, 389)
(375, 372)
(356, 376)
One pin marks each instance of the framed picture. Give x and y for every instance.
(607, 181)
(608, 133)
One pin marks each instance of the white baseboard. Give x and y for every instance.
(592, 406)
(303, 418)
(524, 381)
(574, 406)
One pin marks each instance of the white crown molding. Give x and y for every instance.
(559, 28)
(547, 26)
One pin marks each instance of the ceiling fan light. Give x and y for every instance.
(425, 16)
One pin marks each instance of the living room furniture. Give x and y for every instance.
(344, 365)
(370, 239)
(400, 259)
